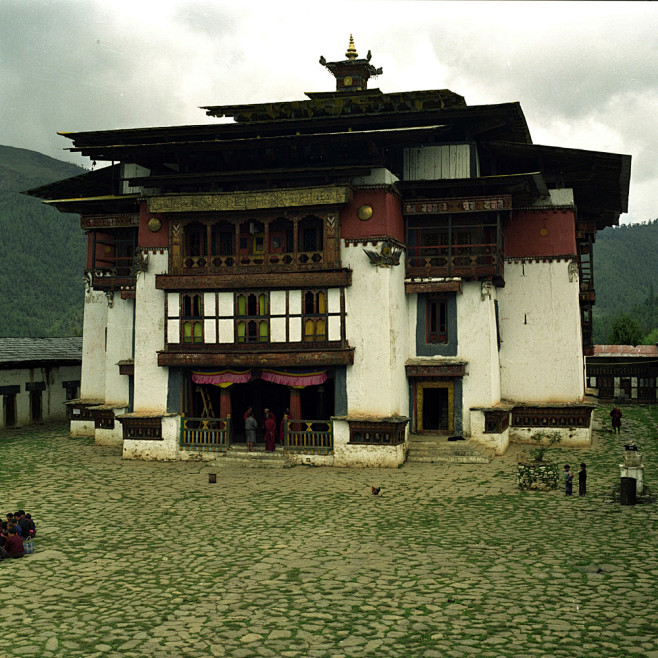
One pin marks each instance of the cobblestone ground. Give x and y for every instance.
(149, 559)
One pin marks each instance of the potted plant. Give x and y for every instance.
(539, 473)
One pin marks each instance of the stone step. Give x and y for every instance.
(259, 458)
(429, 448)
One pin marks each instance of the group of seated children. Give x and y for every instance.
(15, 530)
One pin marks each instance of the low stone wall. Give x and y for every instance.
(540, 476)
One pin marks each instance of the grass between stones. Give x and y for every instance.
(145, 558)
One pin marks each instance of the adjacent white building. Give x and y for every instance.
(37, 377)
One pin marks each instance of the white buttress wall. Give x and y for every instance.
(151, 380)
(376, 324)
(92, 382)
(119, 348)
(477, 345)
(541, 354)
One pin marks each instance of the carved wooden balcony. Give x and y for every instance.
(473, 261)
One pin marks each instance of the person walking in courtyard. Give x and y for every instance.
(250, 426)
(568, 480)
(270, 431)
(582, 480)
(616, 414)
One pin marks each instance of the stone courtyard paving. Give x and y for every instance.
(149, 559)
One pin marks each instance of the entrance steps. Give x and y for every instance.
(238, 454)
(435, 448)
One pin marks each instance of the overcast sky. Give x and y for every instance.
(586, 74)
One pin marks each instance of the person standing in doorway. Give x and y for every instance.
(250, 426)
(270, 431)
(616, 414)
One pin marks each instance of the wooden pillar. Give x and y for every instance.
(295, 403)
(266, 240)
(224, 402)
(295, 241)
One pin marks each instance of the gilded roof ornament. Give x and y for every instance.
(351, 50)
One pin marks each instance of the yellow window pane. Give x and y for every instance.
(198, 332)
(262, 329)
(242, 305)
(320, 330)
(262, 304)
(242, 332)
(309, 330)
(187, 332)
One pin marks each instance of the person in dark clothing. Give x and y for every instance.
(23, 526)
(14, 544)
(615, 415)
(250, 427)
(582, 480)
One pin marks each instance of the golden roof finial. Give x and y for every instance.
(351, 50)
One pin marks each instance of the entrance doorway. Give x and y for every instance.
(259, 395)
(313, 402)
(435, 407)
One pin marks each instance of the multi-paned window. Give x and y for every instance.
(247, 317)
(191, 318)
(252, 317)
(315, 315)
(436, 318)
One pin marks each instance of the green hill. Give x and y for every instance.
(42, 251)
(625, 276)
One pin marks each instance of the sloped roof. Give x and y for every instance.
(16, 352)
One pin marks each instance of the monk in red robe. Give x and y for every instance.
(270, 431)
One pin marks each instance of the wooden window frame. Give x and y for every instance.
(436, 319)
(193, 318)
(252, 327)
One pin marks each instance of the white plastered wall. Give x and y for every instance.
(376, 327)
(119, 348)
(150, 380)
(541, 353)
(478, 346)
(92, 383)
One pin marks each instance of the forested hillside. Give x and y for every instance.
(626, 278)
(42, 251)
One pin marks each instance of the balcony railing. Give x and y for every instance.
(308, 436)
(467, 261)
(205, 434)
(268, 262)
